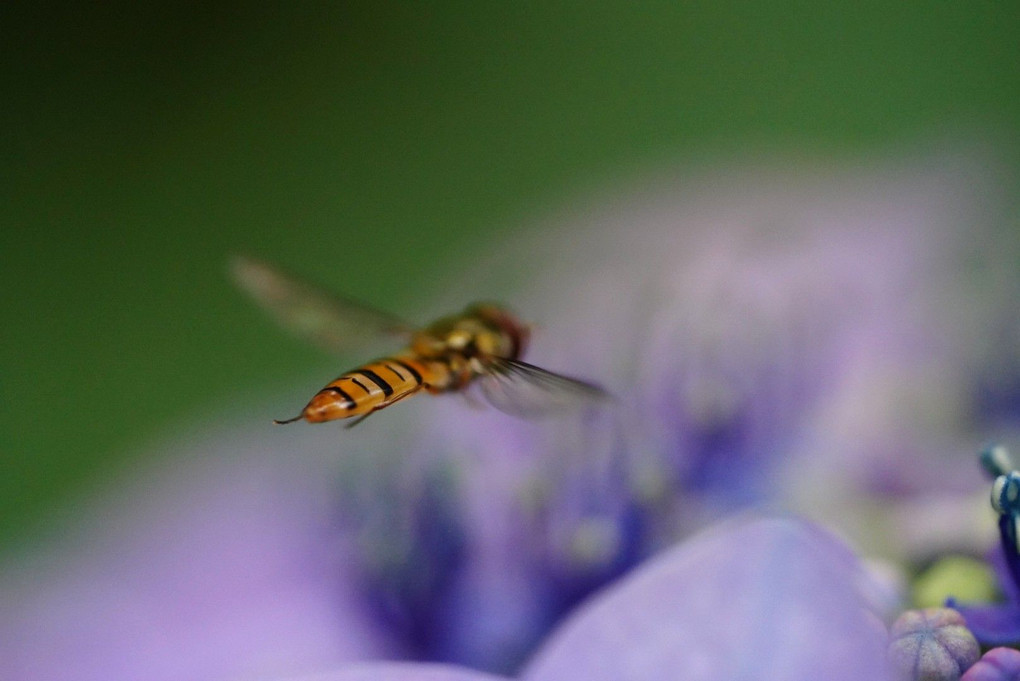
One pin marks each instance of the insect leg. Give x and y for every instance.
(351, 424)
(361, 418)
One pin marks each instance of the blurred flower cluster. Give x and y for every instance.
(829, 344)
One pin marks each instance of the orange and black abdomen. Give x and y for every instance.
(367, 388)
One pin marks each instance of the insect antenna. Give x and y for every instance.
(286, 421)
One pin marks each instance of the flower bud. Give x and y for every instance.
(932, 645)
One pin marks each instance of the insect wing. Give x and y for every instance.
(526, 390)
(329, 321)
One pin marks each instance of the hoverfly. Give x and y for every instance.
(482, 345)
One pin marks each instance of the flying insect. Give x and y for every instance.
(482, 345)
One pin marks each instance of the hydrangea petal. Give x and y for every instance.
(998, 664)
(766, 599)
(992, 625)
(403, 671)
(222, 565)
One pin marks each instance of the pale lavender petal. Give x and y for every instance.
(762, 600)
(221, 565)
(998, 664)
(403, 671)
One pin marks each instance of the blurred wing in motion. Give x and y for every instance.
(524, 389)
(329, 321)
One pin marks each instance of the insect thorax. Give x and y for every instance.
(480, 331)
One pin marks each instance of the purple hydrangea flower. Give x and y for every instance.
(999, 624)
(778, 343)
(749, 371)
(771, 599)
(788, 606)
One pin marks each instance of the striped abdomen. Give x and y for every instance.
(373, 386)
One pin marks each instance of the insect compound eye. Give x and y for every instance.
(1006, 494)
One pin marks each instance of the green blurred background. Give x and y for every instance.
(373, 146)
